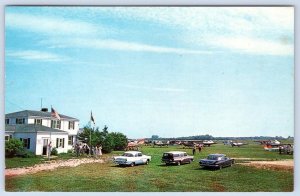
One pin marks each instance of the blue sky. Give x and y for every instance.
(170, 71)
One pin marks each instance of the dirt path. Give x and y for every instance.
(50, 166)
(276, 165)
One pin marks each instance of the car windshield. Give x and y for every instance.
(214, 157)
(128, 155)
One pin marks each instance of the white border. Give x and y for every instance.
(295, 3)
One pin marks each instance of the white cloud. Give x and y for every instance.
(252, 45)
(34, 55)
(128, 46)
(50, 25)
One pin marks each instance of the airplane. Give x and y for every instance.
(268, 142)
(132, 146)
(160, 143)
(188, 144)
(238, 144)
(208, 143)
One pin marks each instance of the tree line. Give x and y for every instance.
(108, 140)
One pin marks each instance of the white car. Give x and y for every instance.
(132, 158)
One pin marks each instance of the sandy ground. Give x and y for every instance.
(51, 165)
(276, 165)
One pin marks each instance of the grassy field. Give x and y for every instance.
(156, 177)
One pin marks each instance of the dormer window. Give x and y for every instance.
(38, 121)
(20, 120)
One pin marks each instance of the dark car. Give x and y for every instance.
(216, 161)
(176, 157)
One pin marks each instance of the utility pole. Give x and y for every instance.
(41, 102)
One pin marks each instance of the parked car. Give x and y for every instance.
(132, 158)
(216, 161)
(176, 157)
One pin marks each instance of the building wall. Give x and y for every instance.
(53, 138)
(32, 137)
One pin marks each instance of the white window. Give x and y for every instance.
(71, 124)
(55, 124)
(70, 141)
(20, 120)
(6, 138)
(38, 121)
(60, 142)
(7, 121)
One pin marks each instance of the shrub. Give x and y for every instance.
(70, 151)
(12, 147)
(25, 154)
(54, 151)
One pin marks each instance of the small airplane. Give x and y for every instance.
(208, 143)
(160, 143)
(238, 144)
(268, 142)
(188, 144)
(132, 146)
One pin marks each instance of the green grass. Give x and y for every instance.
(157, 177)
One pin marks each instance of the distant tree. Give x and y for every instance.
(13, 147)
(108, 143)
(154, 137)
(120, 140)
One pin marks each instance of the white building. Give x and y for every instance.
(38, 128)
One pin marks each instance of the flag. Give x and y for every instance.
(54, 113)
(92, 118)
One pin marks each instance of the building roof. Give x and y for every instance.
(32, 113)
(23, 128)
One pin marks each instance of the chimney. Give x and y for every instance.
(44, 109)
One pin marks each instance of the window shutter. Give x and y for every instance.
(28, 143)
(63, 143)
(56, 142)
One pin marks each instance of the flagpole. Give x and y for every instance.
(90, 142)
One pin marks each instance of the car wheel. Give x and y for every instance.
(132, 164)
(178, 163)
(147, 162)
(167, 163)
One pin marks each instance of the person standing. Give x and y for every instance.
(194, 150)
(100, 150)
(199, 148)
(77, 149)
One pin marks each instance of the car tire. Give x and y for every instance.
(147, 162)
(132, 164)
(167, 163)
(178, 163)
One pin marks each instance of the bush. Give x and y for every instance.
(70, 151)
(25, 154)
(12, 147)
(54, 151)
